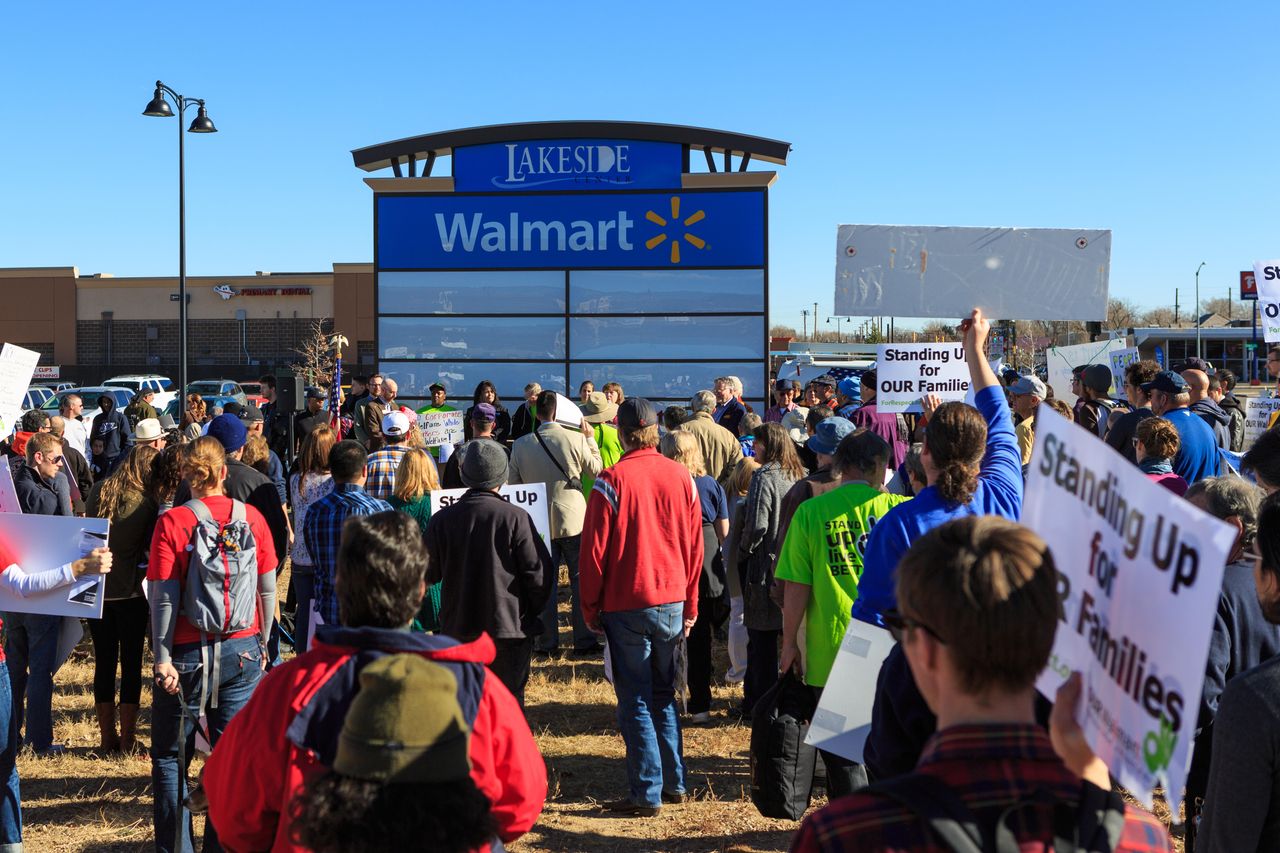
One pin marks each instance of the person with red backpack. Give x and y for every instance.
(212, 594)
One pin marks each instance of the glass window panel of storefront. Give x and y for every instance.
(665, 291)
(679, 337)
(676, 381)
(471, 337)
(460, 378)
(521, 292)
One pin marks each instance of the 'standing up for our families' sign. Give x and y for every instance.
(1139, 573)
(907, 372)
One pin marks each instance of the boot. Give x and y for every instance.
(128, 728)
(107, 726)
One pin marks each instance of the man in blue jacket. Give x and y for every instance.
(1198, 451)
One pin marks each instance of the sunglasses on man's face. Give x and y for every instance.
(898, 625)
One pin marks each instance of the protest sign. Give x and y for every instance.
(1139, 573)
(8, 494)
(907, 372)
(440, 428)
(16, 366)
(1266, 276)
(843, 718)
(531, 497)
(1121, 359)
(1257, 414)
(41, 542)
(1062, 360)
(1011, 273)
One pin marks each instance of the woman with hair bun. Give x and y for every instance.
(973, 466)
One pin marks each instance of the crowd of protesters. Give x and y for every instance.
(378, 699)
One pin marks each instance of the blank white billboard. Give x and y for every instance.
(1011, 273)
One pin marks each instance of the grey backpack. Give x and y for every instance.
(221, 592)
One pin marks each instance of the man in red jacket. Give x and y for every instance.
(288, 732)
(638, 575)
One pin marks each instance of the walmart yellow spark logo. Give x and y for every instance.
(657, 240)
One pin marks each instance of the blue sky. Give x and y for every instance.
(1158, 121)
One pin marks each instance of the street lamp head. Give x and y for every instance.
(158, 106)
(202, 123)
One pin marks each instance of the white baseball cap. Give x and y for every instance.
(395, 423)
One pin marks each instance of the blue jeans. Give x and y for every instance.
(642, 650)
(567, 549)
(10, 797)
(241, 672)
(31, 646)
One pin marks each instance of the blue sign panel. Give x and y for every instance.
(566, 164)
(624, 230)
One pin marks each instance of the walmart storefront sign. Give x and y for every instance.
(628, 230)
(565, 164)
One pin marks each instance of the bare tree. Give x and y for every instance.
(1121, 314)
(1162, 316)
(783, 332)
(316, 354)
(937, 330)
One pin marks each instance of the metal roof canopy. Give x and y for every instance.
(432, 145)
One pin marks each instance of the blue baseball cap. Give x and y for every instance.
(230, 432)
(850, 388)
(828, 435)
(1166, 381)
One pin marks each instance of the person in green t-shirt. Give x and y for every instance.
(821, 562)
(597, 411)
(438, 395)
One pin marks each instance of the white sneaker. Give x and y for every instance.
(700, 717)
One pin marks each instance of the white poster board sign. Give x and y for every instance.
(8, 494)
(1139, 574)
(1257, 414)
(16, 367)
(907, 372)
(40, 542)
(1266, 274)
(441, 428)
(568, 414)
(531, 497)
(1062, 360)
(1121, 359)
(843, 719)
(1010, 273)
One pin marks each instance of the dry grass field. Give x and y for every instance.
(84, 802)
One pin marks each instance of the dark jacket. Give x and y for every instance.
(36, 495)
(254, 488)
(129, 541)
(1242, 638)
(452, 476)
(1217, 419)
(1123, 431)
(1235, 412)
(112, 427)
(523, 421)
(496, 570)
(81, 477)
(501, 426)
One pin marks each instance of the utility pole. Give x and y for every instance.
(1175, 307)
(1228, 305)
(804, 320)
(1199, 354)
(815, 320)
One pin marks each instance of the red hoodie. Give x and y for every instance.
(288, 732)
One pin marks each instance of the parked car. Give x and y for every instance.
(89, 396)
(36, 397)
(162, 385)
(217, 392)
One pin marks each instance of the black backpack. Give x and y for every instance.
(1094, 825)
(782, 764)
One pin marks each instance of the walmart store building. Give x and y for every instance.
(564, 251)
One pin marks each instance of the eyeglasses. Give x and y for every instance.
(899, 624)
(56, 460)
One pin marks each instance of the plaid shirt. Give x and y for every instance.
(383, 465)
(322, 532)
(990, 767)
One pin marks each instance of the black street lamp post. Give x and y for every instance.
(159, 107)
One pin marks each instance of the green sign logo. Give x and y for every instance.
(1157, 747)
